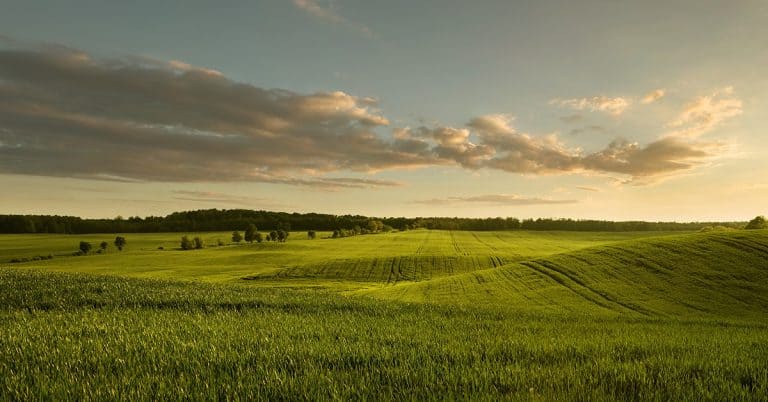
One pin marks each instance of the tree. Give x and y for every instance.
(103, 246)
(250, 233)
(85, 247)
(120, 242)
(273, 235)
(311, 235)
(282, 235)
(758, 223)
(258, 237)
(186, 244)
(199, 243)
(237, 237)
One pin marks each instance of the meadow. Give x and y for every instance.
(412, 315)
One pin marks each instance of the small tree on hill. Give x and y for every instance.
(282, 236)
(758, 223)
(186, 243)
(311, 235)
(85, 247)
(250, 233)
(273, 235)
(237, 237)
(198, 243)
(120, 242)
(258, 237)
(103, 246)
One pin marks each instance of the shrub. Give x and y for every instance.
(120, 242)
(250, 233)
(186, 244)
(758, 222)
(198, 243)
(85, 247)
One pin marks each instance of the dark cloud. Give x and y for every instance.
(65, 113)
(506, 149)
(588, 129)
(495, 199)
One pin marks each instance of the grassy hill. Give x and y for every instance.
(354, 259)
(714, 274)
(412, 315)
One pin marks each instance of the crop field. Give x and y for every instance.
(411, 315)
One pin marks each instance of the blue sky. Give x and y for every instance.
(678, 88)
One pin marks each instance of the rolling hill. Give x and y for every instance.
(721, 275)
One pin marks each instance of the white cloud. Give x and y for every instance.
(705, 113)
(329, 14)
(653, 96)
(613, 106)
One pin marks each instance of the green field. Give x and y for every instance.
(408, 315)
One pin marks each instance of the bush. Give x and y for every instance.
(85, 247)
(250, 233)
(120, 242)
(198, 243)
(186, 244)
(758, 223)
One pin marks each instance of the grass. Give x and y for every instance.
(491, 315)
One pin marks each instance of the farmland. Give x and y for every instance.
(410, 315)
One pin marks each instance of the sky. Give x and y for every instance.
(619, 110)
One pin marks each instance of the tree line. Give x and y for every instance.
(224, 220)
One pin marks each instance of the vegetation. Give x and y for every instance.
(186, 243)
(757, 223)
(236, 237)
(417, 314)
(85, 247)
(224, 220)
(250, 233)
(120, 242)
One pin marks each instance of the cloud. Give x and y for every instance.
(211, 196)
(653, 96)
(494, 199)
(329, 14)
(586, 188)
(613, 106)
(705, 113)
(588, 129)
(498, 145)
(65, 113)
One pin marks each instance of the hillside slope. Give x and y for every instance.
(721, 275)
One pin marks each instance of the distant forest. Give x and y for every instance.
(239, 219)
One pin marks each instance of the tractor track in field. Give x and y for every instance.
(485, 243)
(581, 288)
